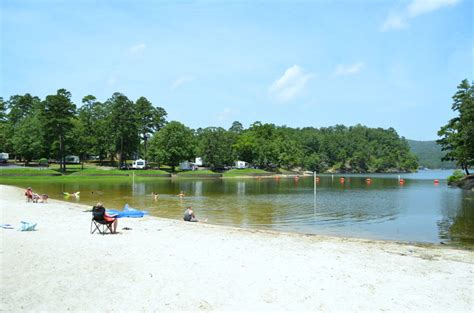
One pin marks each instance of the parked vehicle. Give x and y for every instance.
(3, 157)
(72, 159)
(188, 166)
(241, 164)
(139, 164)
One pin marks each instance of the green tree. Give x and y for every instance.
(3, 125)
(19, 109)
(457, 136)
(59, 112)
(236, 127)
(173, 144)
(27, 139)
(123, 125)
(215, 147)
(149, 118)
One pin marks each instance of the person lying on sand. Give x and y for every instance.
(190, 217)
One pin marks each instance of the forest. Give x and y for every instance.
(121, 129)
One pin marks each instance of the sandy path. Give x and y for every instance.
(166, 265)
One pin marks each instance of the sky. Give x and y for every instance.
(209, 63)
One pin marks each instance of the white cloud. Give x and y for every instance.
(290, 85)
(345, 70)
(137, 49)
(415, 8)
(181, 81)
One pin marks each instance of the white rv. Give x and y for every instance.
(72, 159)
(188, 166)
(139, 164)
(198, 162)
(3, 157)
(241, 164)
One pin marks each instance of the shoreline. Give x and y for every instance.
(169, 265)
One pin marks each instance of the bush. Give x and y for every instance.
(457, 175)
(43, 162)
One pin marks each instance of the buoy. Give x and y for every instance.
(402, 181)
(436, 181)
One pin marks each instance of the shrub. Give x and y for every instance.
(457, 175)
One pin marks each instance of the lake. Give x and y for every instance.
(417, 211)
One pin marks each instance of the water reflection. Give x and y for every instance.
(382, 208)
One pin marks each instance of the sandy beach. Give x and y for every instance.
(169, 265)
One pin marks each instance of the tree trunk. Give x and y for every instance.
(121, 153)
(145, 139)
(61, 159)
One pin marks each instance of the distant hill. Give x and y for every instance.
(429, 154)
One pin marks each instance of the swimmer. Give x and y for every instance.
(181, 194)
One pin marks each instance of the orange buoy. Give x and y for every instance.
(436, 181)
(402, 181)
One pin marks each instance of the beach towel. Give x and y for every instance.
(25, 226)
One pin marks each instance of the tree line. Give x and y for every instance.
(457, 136)
(120, 129)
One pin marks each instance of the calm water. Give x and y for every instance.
(418, 211)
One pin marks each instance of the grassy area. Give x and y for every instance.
(285, 172)
(26, 171)
(245, 172)
(112, 172)
(197, 173)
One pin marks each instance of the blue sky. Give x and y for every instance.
(209, 63)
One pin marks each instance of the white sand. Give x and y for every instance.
(167, 265)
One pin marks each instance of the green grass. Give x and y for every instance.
(244, 172)
(191, 173)
(26, 171)
(115, 172)
(283, 171)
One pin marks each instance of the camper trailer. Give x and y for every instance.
(139, 164)
(198, 162)
(187, 166)
(72, 159)
(241, 164)
(3, 157)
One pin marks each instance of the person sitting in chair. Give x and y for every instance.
(99, 211)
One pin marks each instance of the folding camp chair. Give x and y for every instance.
(99, 223)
